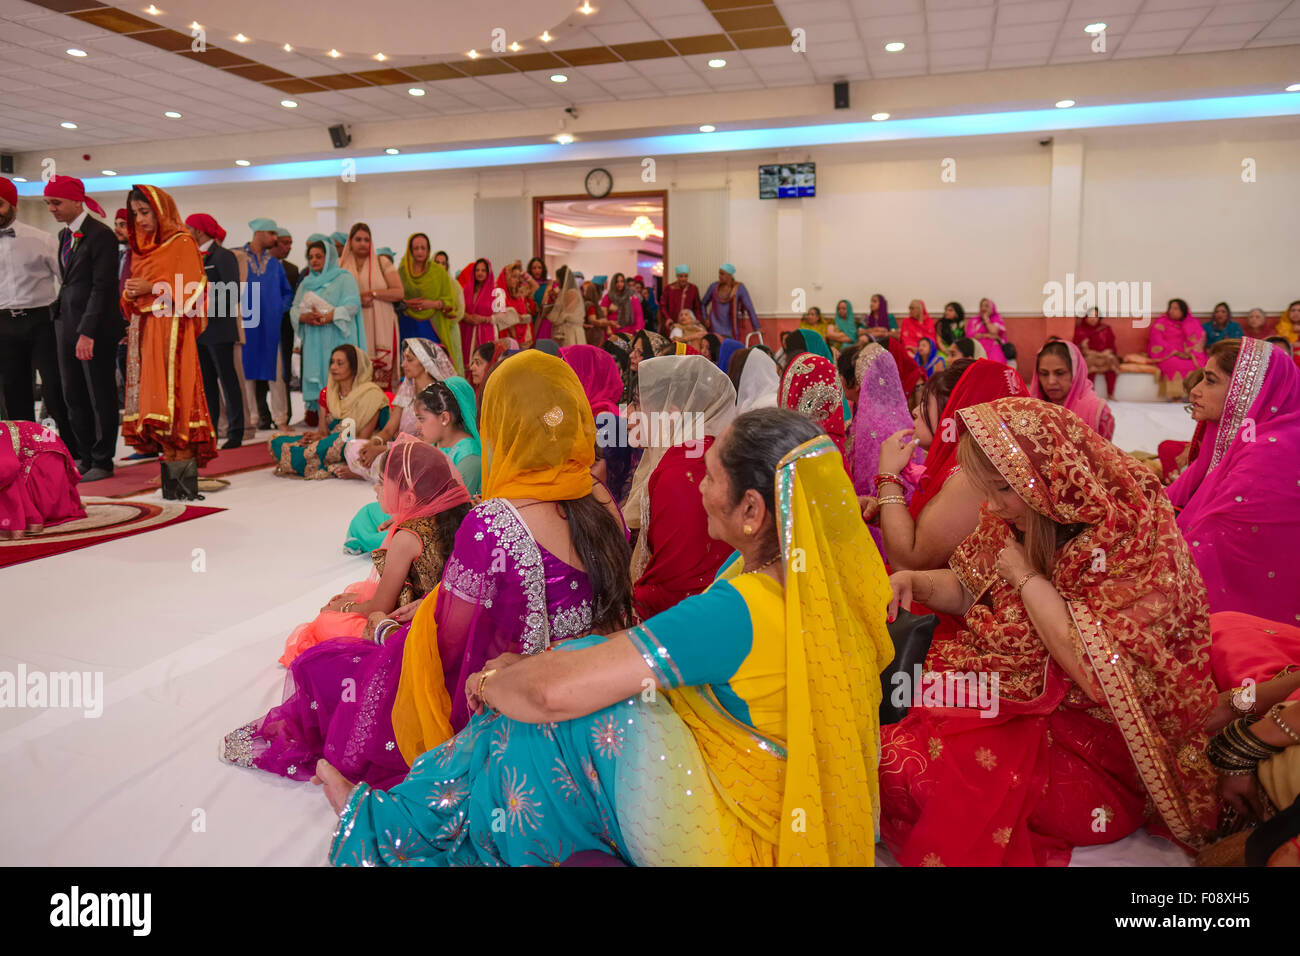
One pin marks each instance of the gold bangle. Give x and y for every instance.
(347, 606)
(930, 590)
(891, 500)
(1020, 585)
(479, 692)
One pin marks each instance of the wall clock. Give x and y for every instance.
(599, 183)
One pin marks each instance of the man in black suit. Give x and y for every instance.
(88, 319)
(217, 343)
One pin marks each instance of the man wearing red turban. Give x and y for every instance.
(219, 342)
(89, 324)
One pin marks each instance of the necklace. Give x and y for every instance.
(766, 564)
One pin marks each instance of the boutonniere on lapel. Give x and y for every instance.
(76, 238)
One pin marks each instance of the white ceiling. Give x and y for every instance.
(119, 92)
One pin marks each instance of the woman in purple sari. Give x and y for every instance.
(882, 411)
(543, 559)
(339, 692)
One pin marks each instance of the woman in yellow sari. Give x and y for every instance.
(432, 295)
(755, 746)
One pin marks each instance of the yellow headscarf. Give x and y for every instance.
(365, 399)
(538, 433)
(810, 809)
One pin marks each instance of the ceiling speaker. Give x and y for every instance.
(340, 136)
(842, 95)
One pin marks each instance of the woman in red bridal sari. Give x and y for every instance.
(1081, 597)
(38, 480)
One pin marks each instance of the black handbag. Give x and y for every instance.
(911, 634)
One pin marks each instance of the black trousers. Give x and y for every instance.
(90, 389)
(217, 363)
(29, 344)
(286, 350)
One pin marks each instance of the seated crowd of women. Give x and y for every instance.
(704, 538)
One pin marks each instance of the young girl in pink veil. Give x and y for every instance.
(424, 493)
(1061, 377)
(1240, 497)
(418, 484)
(989, 328)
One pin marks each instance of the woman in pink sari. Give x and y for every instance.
(477, 326)
(1240, 497)
(916, 325)
(380, 287)
(1177, 346)
(1061, 377)
(38, 480)
(989, 328)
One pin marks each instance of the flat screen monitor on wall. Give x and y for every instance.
(787, 181)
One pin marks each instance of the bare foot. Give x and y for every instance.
(337, 787)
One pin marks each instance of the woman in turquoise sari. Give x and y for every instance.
(324, 314)
(446, 419)
(653, 746)
(814, 343)
(352, 407)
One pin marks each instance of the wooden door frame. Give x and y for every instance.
(539, 240)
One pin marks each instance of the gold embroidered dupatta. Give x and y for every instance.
(1135, 597)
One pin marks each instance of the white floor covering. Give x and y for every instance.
(189, 655)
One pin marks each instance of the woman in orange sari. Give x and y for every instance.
(1069, 711)
(165, 302)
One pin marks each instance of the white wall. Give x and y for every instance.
(1162, 204)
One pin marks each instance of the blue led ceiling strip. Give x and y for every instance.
(929, 127)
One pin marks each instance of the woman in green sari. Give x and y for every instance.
(354, 407)
(431, 296)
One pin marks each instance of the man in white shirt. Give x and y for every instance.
(29, 266)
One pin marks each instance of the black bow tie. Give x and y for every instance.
(8, 232)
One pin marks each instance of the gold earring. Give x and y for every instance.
(749, 529)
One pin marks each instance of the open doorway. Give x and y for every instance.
(603, 237)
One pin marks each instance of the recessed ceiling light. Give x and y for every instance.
(172, 114)
(1094, 28)
(289, 104)
(586, 9)
(515, 47)
(288, 48)
(894, 46)
(559, 78)
(707, 128)
(472, 54)
(380, 57)
(717, 63)
(335, 53)
(564, 139)
(1064, 104)
(152, 10)
(68, 125)
(195, 25)
(546, 36)
(242, 162)
(1293, 88)
(73, 51)
(240, 38)
(416, 91)
(879, 116)
(392, 151)
(108, 172)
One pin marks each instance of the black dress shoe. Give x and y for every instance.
(96, 474)
(232, 443)
(265, 424)
(83, 467)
